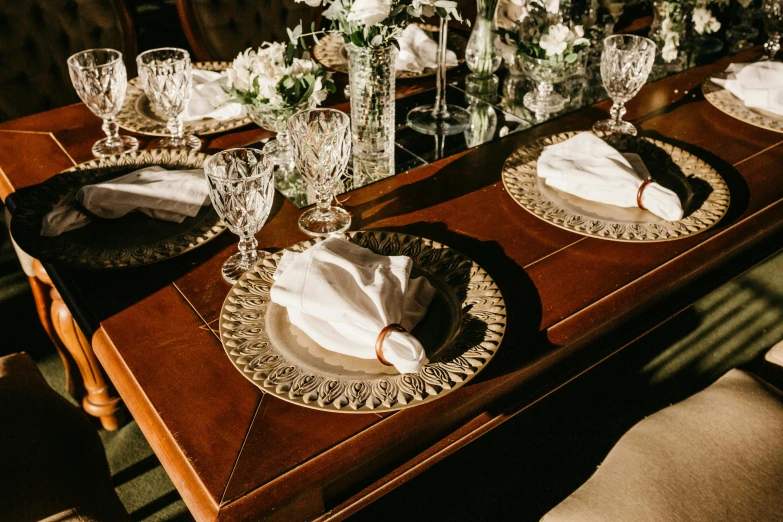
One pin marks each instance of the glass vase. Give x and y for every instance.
(276, 120)
(668, 31)
(544, 101)
(483, 51)
(372, 80)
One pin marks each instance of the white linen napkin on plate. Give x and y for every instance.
(588, 167)
(342, 295)
(759, 85)
(209, 99)
(168, 195)
(418, 51)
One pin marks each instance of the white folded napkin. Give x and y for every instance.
(588, 167)
(759, 85)
(168, 195)
(209, 98)
(342, 295)
(418, 51)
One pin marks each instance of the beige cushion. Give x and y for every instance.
(52, 463)
(716, 456)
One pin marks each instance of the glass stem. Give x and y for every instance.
(284, 149)
(248, 249)
(617, 112)
(323, 199)
(440, 111)
(544, 90)
(110, 129)
(174, 126)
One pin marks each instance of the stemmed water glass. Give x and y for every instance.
(626, 62)
(440, 118)
(322, 148)
(100, 80)
(166, 76)
(773, 24)
(242, 190)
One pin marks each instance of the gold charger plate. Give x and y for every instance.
(132, 240)
(726, 102)
(330, 52)
(461, 332)
(138, 115)
(705, 194)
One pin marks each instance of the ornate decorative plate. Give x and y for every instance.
(724, 101)
(138, 115)
(703, 191)
(132, 240)
(461, 332)
(330, 52)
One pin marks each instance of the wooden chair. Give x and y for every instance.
(713, 457)
(38, 36)
(218, 30)
(53, 465)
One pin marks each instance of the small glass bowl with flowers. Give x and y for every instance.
(274, 82)
(545, 50)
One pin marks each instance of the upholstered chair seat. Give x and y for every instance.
(52, 464)
(716, 456)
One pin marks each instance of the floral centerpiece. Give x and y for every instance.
(704, 22)
(546, 50)
(370, 29)
(273, 83)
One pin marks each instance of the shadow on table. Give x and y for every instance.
(523, 303)
(738, 187)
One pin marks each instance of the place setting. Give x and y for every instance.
(753, 92)
(611, 184)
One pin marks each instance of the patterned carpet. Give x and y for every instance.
(517, 471)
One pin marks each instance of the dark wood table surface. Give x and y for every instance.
(235, 453)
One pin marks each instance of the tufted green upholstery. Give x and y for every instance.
(220, 29)
(36, 39)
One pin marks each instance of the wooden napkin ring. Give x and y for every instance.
(641, 191)
(394, 327)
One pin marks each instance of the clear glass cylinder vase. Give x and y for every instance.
(483, 51)
(372, 80)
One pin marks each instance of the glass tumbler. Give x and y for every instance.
(166, 76)
(100, 80)
(626, 62)
(242, 190)
(322, 148)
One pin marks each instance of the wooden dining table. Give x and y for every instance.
(237, 453)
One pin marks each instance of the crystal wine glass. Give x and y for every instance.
(322, 148)
(100, 80)
(166, 76)
(773, 24)
(626, 62)
(440, 118)
(242, 190)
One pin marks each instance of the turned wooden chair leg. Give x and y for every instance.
(97, 400)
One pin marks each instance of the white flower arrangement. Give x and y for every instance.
(377, 23)
(538, 35)
(276, 77)
(704, 22)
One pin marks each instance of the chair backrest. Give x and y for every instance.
(38, 36)
(221, 29)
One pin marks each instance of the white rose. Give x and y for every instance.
(671, 47)
(369, 12)
(301, 68)
(552, 6)
(555, 41)
(311, 3)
